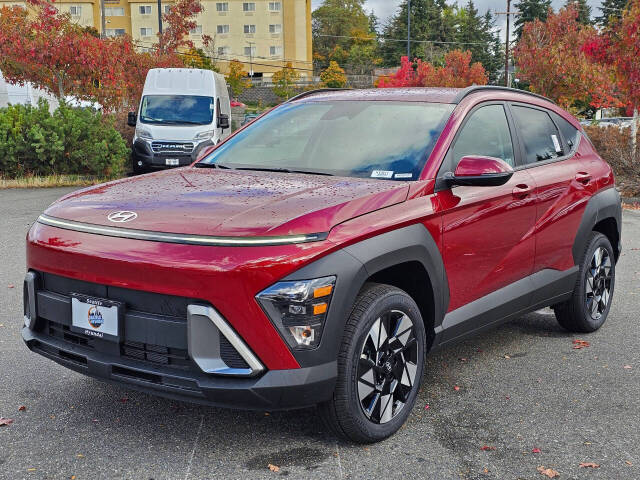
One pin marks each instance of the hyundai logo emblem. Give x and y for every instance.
(122, 216)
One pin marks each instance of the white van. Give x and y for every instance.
(182, 111)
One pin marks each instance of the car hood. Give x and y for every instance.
(230, 203)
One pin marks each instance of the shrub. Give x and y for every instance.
(69, 141)
(333, 76)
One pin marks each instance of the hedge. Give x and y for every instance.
(72, 141)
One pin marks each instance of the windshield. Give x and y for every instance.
(387, 140)
(175, 109)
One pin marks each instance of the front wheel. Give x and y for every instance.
(380, 366)
(588, 308)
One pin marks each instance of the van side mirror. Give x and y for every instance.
(132, 118)
(223, 121)
(480, 171)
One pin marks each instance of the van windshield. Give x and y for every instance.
(177, 109)
(375, 139)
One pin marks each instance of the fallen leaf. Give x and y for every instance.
(589, 465)
(628, 367)
(73, 477)
(22, 408)
(273, 468)
(5, 421)
(628, 463)
(426, 407)
(507, 397)
(507, 357)
(462, 359)
(548, 472)
(456, 388)
(79, 455)
(266, 414)
(486, 470)
(11, 286)
(536, 450)
(31, 469)
(578, 344)
(124, 399)
(487, 447)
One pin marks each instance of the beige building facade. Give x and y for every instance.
(262, 34)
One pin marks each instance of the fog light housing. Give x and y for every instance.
(29, 298)
(299, 309)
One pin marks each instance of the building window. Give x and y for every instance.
(274, 6)
(75, 10)
(249, 51)
(277, 28)
(114, 12)
(114, 32)
(275, 51)
(145, 9)
(222, 6)
(146, 31)
(197, 30)
(249, 29)
(167, 9)
(249, 7)
(222, 29)
(223, 51)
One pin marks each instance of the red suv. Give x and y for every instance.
(316, 256)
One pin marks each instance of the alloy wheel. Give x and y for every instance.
(598, 284)
(387, 366)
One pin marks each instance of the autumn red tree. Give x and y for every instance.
(457, 72)
(618, 47)
(178, 22)
(550, 59)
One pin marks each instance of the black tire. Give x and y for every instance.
(345, 414)
(586, 312)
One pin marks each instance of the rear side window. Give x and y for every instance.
(538, 133)
(569, 132)
(486, 134)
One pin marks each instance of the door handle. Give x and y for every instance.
(521, 190)
(583, 178)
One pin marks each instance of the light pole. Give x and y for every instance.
(159, 16)
(409, 29)
(251, 44)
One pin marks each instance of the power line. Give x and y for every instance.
(404, 40)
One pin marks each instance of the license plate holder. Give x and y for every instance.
(172, 162)
(97, 317)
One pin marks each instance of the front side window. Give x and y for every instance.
(539, 135)
(176, 109)
(248, 7)
(383, 140)
(486, 134)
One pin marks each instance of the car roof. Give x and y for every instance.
(412, 94)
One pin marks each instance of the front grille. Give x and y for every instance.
(172, 147)
(230, 355)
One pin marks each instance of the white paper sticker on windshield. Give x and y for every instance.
(556, 143)
(382, 174)
(403, 175)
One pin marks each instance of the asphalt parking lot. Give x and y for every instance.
(522, 388)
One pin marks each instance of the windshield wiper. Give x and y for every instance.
(212, 165)
(283, 170)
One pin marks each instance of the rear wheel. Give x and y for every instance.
(379, 366)
(588, 308)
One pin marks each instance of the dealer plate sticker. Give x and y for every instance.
(172, 161)
(95, 317)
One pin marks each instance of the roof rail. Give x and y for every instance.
(476, 88)
(313, 92)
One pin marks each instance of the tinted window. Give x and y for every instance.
(569, 132)
(386, 140)
(539, 134)
(486, 133)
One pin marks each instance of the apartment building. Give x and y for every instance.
(263, 34)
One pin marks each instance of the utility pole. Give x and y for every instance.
(251, 44)
(103, 20)
(506, 42)
(409, 30)
(159, 16)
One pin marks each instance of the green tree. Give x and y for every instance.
(611, 10)
(237, 78)
(584, 11)
(284, 81)
(479, 35)
(529, 11)
(333, 76)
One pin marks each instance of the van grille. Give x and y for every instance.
(172, 147)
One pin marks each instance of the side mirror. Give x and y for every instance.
(223, 121)
(480, 171)
(132, 118)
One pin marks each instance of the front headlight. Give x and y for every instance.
(299, 309)
(204, 135)
(144, 133)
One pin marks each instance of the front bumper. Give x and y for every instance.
(274, 390)
(143, 153)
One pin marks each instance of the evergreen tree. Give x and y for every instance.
(611, 9)
(529, 11)
(584, 11)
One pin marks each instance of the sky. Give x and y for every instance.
(384, 9)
